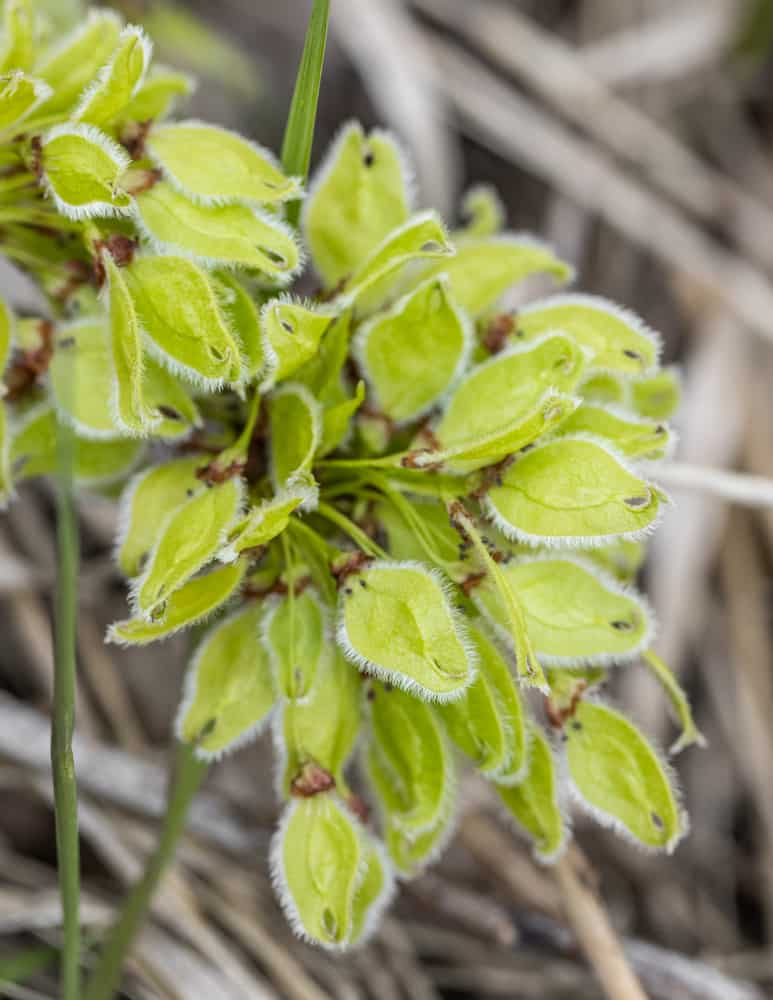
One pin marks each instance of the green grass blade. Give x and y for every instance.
(299, 132)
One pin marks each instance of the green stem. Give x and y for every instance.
(679, 702)
(238, 451)
(318, 554)
(420, 529)
(299, 131)
(348, 526)
(187, 776)
(527, 664)
(287, 558)
(63, 722)
(242, 443)
(378, 462)
(308, 536)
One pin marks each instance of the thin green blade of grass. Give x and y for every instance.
(299, 131)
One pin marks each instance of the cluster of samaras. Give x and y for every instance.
(412, 518)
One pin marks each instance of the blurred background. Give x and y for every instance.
(637, 137)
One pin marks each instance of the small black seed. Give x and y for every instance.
(207, 729)
(273, 256)
(169, 413)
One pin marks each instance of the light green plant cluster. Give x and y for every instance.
(412, 519)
